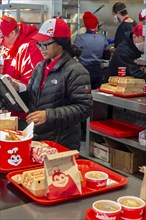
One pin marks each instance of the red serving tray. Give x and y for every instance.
(59, 147)
(91, 215)
(121, 95)
(115, 128)
(84, 166)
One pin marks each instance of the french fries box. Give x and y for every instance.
(62, 175)
(15, 153)
(8, 122)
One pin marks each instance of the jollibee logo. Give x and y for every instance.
(50, 31)
(14, 159)
(105, 217)
(101, 184)
(14, 150)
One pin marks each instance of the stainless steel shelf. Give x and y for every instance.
(70, 3)
(19, 8)
(105, 106)
(137, 104)
(24, 6)
(133, 142)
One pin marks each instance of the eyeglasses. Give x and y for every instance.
(44, 46)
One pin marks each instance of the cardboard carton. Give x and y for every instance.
(101, 151)
(125, 158)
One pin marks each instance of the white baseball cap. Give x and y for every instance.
(52, 28)
(142, 14)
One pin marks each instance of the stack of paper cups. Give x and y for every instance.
(121, 71)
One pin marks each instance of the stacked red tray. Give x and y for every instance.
(115, 128)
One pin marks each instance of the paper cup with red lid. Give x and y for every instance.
(132, 207)
(107, 210)
(122, 69)
(96, 179)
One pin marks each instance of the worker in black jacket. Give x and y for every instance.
(120, 13)
(59, 90)
(126, 53)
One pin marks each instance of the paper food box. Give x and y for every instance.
(125, 158)
(62, 175)
(39, 151)
(8, 122)
(101, 151)
(34, 182)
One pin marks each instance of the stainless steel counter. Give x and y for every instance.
(15, 205)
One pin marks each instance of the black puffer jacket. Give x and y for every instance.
(125, 55)
(66, 97)
(122, 30)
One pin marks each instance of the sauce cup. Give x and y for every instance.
(96, 179)
(132, 207)
(107, 210)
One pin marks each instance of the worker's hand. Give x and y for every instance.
(38, 117)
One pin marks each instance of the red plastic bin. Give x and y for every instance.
(115, 128)
(26, 153)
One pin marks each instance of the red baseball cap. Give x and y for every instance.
(7, 24)
(90, 20)
(142, 14)
(54, 27)
(138, 29)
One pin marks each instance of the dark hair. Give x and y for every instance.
(120, 7)
(66, 44)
